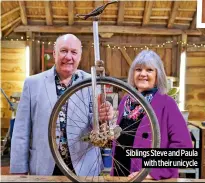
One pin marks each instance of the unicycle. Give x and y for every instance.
(91, 141)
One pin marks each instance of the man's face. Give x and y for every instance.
(67, 55)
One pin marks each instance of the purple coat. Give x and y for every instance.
(173, 129)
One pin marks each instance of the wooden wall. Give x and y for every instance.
(116, 64)
(13, 68)
(195, 81)
(117, 60)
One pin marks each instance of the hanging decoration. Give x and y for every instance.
(120, 46)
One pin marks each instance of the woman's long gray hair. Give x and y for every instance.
(151, 59)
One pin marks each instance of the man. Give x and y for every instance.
(30, 151)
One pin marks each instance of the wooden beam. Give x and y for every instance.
(161, 9)
(70, 12)
(104, 29)
(12, 28)
(23, 12)
(98, 3)
(126, 56)
(193, 32)
(121, 10)
(106, 35)
(147, 12)
(36, 16)
(193, 23)
(136, 45)
(49, 14)
(10, 24)
(186, 9)
(132, 16)
(159, 17)
(10, 12)
(173, 14)
(183, 18)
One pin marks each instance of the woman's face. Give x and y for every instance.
(144, 77)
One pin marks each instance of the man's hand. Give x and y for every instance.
(106, 111)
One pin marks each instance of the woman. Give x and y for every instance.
(147, 75)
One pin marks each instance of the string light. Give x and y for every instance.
(148, 46)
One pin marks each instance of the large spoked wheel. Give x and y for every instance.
(99, 163)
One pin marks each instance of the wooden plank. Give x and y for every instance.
(195, 61)
(13, 68)
(103, 29)
(116, 63)
(173, 14)
(195, 101)
(108, 61)
(121, 10)
(193, 23)
(5, 113)
(195, 80)
(102, 53)
(11, 86)
(11, 24)
(16, 50)
(13, 61)
(174, 58)
(5, 122)
(70, 12)
(192, 32)
(12, 28)
(195, 54)
(85, 57)
(37, 48)
(187, 9)
(107, 178)
(179, 51)
(168, 61)
(10, 12)
(195, 71)
(194, 49)
(125, 66)
(126, 56)
(4, 103)
(13, 56)
(13, 76)
(147, 12)
(184, 18)
(160, 52)
(23, 12)
(49, 14)
(13, 44)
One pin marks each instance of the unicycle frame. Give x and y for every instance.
(94, 71)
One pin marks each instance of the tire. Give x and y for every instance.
(86, 84)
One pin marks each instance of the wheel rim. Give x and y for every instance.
(86, 83)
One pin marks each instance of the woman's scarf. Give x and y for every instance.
(132, 109)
